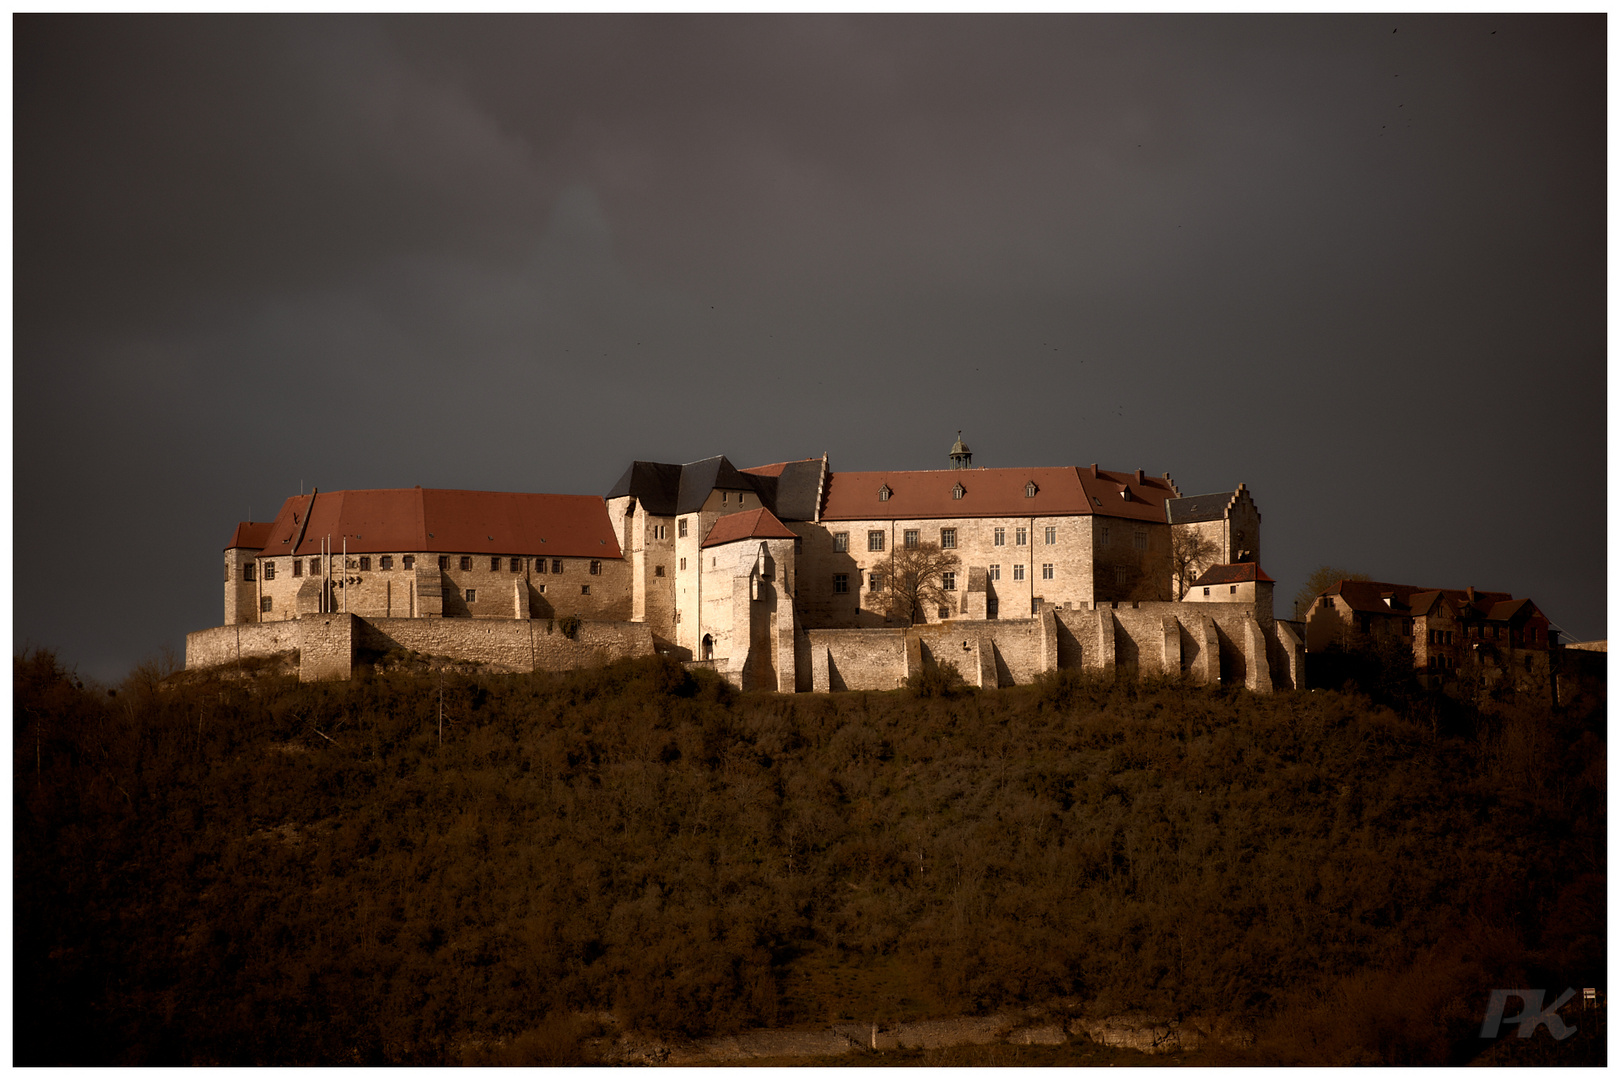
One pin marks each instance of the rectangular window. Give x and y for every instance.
(386, 562)
(947, 538)
(740, 497)
(264, 603)
(658, 532)
(472, 595)
(444, 562)
(677, 616)
(466, 562)
(1051, 534)
(269, 571)
(944, 612)
(584, 590)
(1021, 537)
(365, 562)
(725, 496)
(596, 566)
(541, 588)
(409, 561)
(913, 537)
(516, 565)
(874, 540)
(247, 571)
(1018, 571)
(658, 571)
(995, 571)
(1046, 571)
(1234, 589)
(840, 583)
(841, 541)
(1139, 539)
(1119, 575)
(1206, 590)
(298, 568)
(1102, 536)
(875, 581)
(992, 607)
(556, 566)
(681, 528)
(494, 562)
(947, 581)
(683, 563)
(539, 566)
(1001, 536)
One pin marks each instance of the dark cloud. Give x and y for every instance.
(1362, 271)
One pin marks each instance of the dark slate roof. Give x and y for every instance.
(654, 484)
(699, 478)
(1232, 574)
(790, 489)
(1211, 507)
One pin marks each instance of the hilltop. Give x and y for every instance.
(251, 870)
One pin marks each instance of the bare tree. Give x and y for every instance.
(1321, 580)
(915, 582)
(1191, 553)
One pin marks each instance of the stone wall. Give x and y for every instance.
(856, 659)
(326, 647)
(227, 644)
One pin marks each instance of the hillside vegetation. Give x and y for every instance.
(254, 871)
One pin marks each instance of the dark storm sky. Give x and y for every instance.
(1355, 262)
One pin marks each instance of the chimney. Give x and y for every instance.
(1470, 594)
(1094, 473)
(1140, 479)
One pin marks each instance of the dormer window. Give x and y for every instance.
(958, 491)
(1030, 489)
(884, 493)
(1125, 493)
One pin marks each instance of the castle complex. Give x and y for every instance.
(780, 577)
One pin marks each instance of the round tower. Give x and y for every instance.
(961, 456)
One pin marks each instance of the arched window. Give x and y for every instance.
(708, 646)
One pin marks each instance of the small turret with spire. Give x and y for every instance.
(961, 456)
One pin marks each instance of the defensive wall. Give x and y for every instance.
(1208, 643)
(329, 645)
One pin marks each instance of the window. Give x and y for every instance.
(1102, 536)
(1234, 589)
(840, 583)
(884, 493)
(596, 566)
(541, 588)
(841, 541)
(677, 616)
(365, 562)
(1030, 489)
(947, 538)
(992, 607)
(409, 561)
(472, 595)
(874, 581)
(556, 566)
(386, 562)
(264, 603)
(680, 528)
(1018, 571)
(947, 581)
(516, 565)
(958, 491)
(995, 571)
(466, 562)
(660, 532)
(298, 568)
(584, 590)
(1206, 590)
(1139, 539)
(725, 496)
(494, 562)
(539, 566)
(1051, 534)
(740, 497)
(1000, 537)
(683, 563)
(269, 571)
(874, 540)
(247, 571)
(913, 537)
(658, 571)
(1046, 571)
(1119, 575)
(944, 612)
(1021, 537)
(444, 562)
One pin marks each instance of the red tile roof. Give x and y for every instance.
(444, 520)
(776, 469)
(758, 524)
(1369, 596)
(250, 534)
(1232, 574)
(1060, 491)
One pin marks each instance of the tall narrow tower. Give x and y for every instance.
(961, 456)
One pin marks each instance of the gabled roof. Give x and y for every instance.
(1509, 610)
(444, 520)
(1060, 491)
(655, 485)
(789, 489)
(1369, 596)
(792, 489)
(1232, 574)
(758, 524)
(250, 534)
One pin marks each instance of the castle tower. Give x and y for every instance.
(961, 456)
